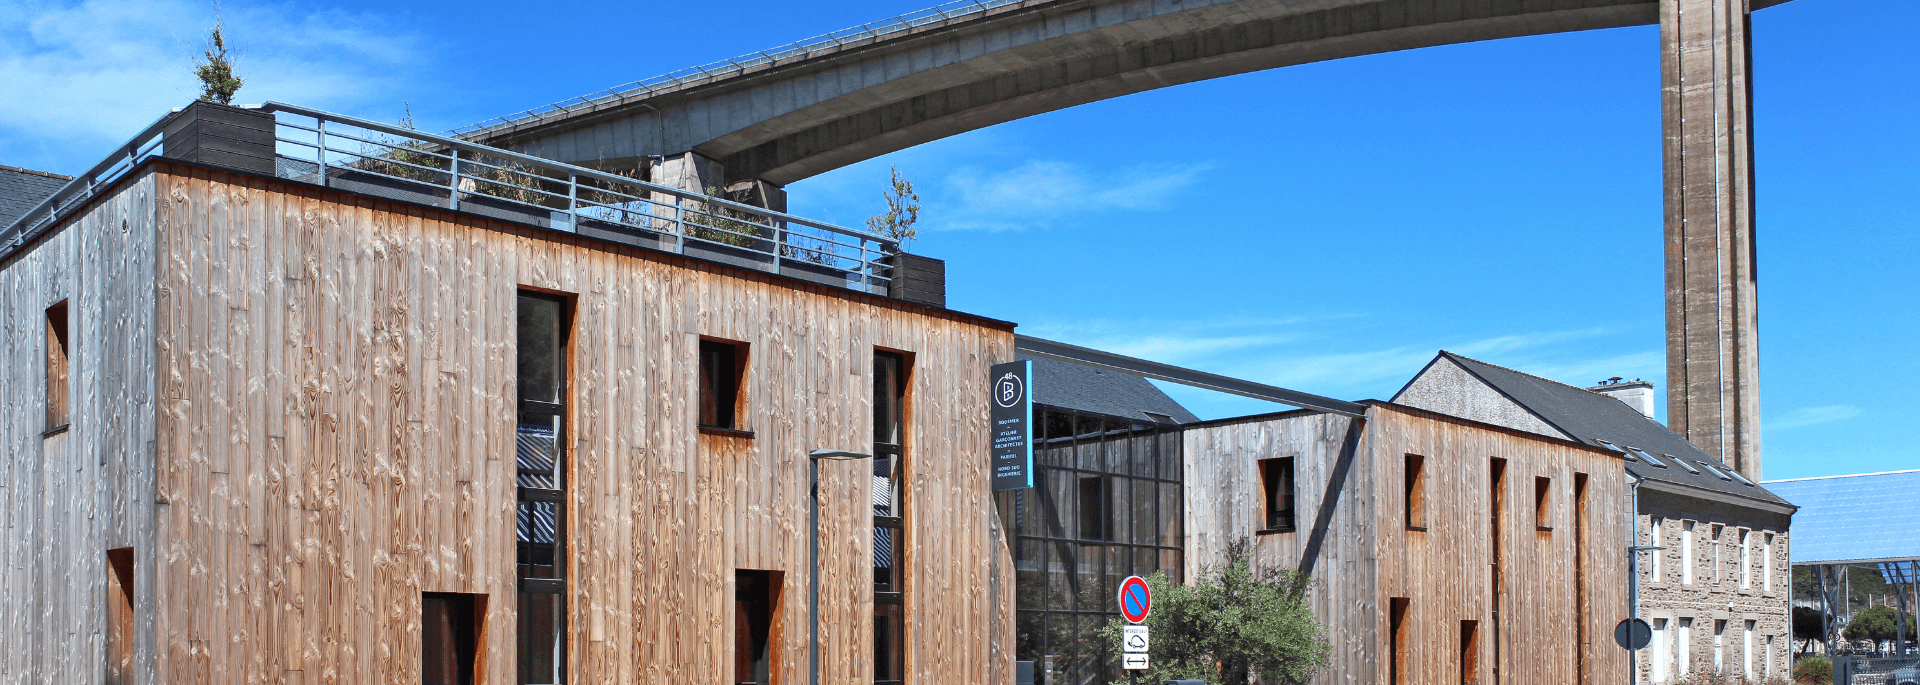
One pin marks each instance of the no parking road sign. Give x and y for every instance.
(1136, 601)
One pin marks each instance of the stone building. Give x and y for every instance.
(1717, 594)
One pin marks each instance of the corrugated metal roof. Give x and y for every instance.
(1858, 518)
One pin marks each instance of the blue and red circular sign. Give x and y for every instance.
(1135, 599)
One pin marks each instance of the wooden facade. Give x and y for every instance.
(296, 406)
(1559, 587)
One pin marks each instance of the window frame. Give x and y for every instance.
(730, 406)
(554, 586)
(1543, 504)
(1414, 500)
(58, 371)
(890, 605)
(1276, 519)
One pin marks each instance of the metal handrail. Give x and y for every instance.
(728, 67)
(448, 171)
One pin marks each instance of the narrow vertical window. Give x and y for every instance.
(450, 638)
(1416, 499)
(1542, 503)
(723, 367)
(1580, 577)
(1766, 562)
(1766, 662)
(756, 601)
(56, 367)
(120, 616)
(540, 452)
(1398, 638)
(1661, 658)
(1276, 480)
(1469, 653)
(1719, 557)
(1746, 651)
(1746, 560)
(1497, 502)
(1684, 649)
(1687, 562)
(1719, 647)
(1656, 539)
(1093, 494)
(889, 515)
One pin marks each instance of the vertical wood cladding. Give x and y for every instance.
(338, 438)
(68, 497)
(1350, 485)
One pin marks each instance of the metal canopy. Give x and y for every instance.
(1184, 376)
(1859, 519)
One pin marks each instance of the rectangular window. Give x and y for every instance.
(1746, 651)
(1497, 502)
(1715, 574)
(890, 382)
(1093, 493)
(756, 601)
(1580, 577)
(542, 323)
(1746, 560)
(1469, 653)
(1687, 562)
(1276, 479)
(119, 616)
(1655, 538)
(723, 370)
(1766, 562)
(450, 638)
(1542, 503)
(1400, 639)
(1661, 657)
(1766, 663)
(57, 367)
(1416, 499)
(1719, 647)
(1684, 649)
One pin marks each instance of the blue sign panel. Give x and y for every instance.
(1012, 415)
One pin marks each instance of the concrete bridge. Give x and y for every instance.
(757, 123)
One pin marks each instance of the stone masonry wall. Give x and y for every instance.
(1715, 601)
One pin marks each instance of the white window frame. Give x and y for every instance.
(1746, 650)
(1683, 650)
(1746, 564)
(1719, 647)
(1717, 538)
(1687, 562)
(1656, 539)
(1662, 658)
(1766, 562)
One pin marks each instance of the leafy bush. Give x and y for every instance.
(1877, 624)
(1232, 625)
(1813, 670)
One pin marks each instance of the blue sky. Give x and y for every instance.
(1325, 227)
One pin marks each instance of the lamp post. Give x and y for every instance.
(813, 554)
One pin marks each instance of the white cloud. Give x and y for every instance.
(1807, 416)
(84, 76)
(1040, 190)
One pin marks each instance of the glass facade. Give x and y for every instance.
(1106, 504)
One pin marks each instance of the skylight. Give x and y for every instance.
(1715, 471)
(1683, 464)
(1647, 457)
(1738, 477)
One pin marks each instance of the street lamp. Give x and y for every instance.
(813, 554)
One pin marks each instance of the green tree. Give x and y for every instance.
(1806, 625)
(1876, 624)
(903, 210)
(218, 83)
(1233, 624)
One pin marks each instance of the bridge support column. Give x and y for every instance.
(1713, 394)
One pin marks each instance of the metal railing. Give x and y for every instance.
(82, 188)
(729, 67)
(394, 162)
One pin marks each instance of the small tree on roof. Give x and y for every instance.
(215, 70)
(903, 209)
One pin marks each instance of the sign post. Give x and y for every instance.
(1012, 416)
(1136, 601)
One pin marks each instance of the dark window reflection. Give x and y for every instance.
(1105, 504)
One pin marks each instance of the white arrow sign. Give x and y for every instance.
(1133, 639)
(1133, 662)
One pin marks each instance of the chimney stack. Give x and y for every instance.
(1636, 393)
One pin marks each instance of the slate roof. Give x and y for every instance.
(1083, 388)
(23, 189)
(1591, 417)
(1859, 518)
